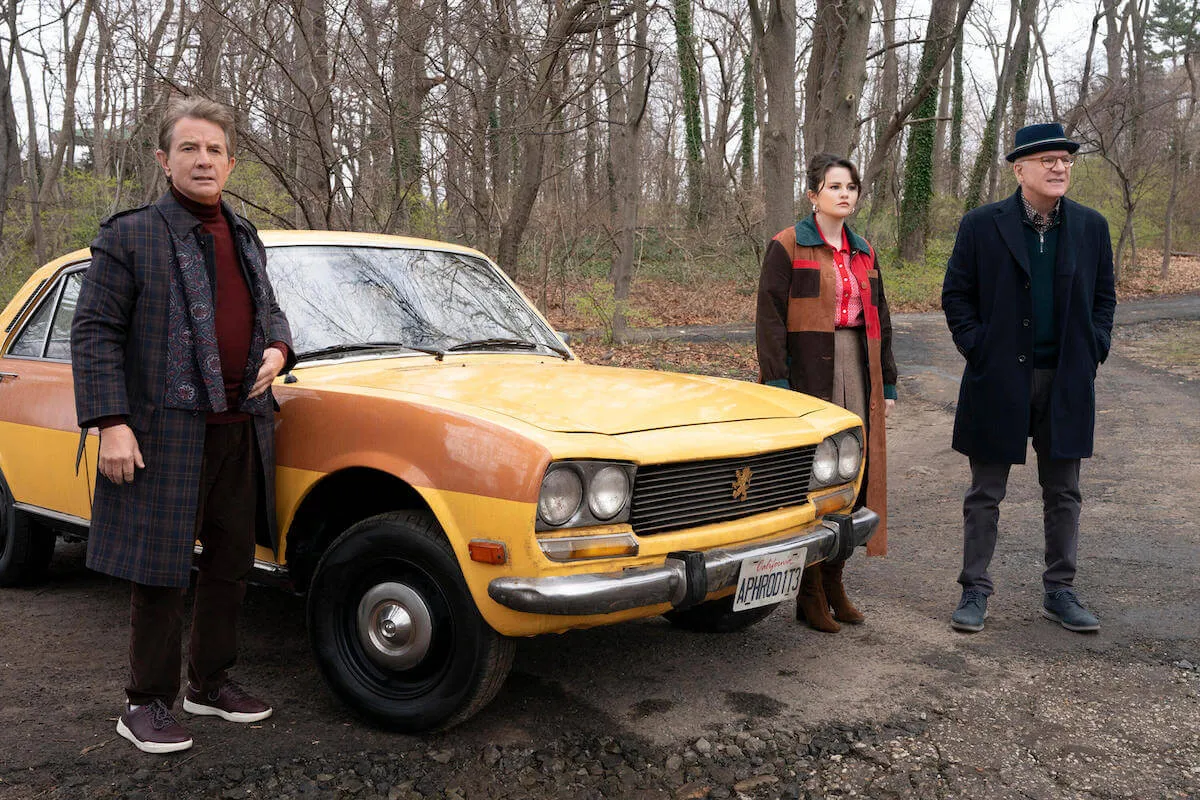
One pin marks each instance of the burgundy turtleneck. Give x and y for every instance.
(234, 305)
(234, 311)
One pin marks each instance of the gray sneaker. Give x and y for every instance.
(971, 611)
(1064, 607)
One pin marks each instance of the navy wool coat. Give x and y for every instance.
(989, 308)
(144, 531)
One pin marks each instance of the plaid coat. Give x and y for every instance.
(797, 302)
(144, 531)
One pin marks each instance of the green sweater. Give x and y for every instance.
(1043, 256)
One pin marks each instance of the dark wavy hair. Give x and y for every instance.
(819, 166)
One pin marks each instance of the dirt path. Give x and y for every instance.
(900, 707)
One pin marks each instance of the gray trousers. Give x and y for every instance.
(1061, 501)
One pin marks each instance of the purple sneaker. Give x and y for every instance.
(230, 702)
(153, 729)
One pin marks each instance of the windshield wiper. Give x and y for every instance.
(499, 343)
(359, 347)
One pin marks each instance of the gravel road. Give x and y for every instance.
(899, 707)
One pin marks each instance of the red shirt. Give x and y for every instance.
(849, 311)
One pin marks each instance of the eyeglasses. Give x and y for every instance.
(1050, 162)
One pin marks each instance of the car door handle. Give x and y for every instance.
(4, 375)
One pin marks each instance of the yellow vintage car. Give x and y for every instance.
(450, 477)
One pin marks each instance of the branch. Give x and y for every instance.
(892, 46)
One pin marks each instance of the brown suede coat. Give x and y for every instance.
(797, 303)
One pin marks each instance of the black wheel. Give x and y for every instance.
(718, 616)
(395, 631)
(25, 547)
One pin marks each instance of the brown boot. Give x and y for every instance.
(811, 604)
(835, 593)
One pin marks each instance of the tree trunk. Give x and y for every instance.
(883, 186)
(10, 150)
(956, 119)
(66, 135)
(1020, 104)
(33, 162)
(985, 160)
(1180, 156)
(749, 100)
(314, 119)
(101, 71)
(837, 69)
(920, 92)
(941, 171)
(918, 162)
(153, 95)
(775, 35)
(626, 110)
(581, 16)
(1114, 38)
(208, 58)
(689, 79)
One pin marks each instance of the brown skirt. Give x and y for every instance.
(850, 387)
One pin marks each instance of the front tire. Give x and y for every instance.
(718, 616)
(25, 547)
(395, 631)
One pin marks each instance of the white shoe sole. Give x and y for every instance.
(1048, 614)
(151, 747)
(230, 716)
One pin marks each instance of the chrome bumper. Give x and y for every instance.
(683, 578)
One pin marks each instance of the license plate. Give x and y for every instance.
(769, 579)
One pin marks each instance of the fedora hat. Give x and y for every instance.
(1040, 138)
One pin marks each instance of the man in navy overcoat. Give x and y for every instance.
(1029, 298)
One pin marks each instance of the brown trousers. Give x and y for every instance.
(225, 520)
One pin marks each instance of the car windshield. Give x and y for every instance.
(343, 299)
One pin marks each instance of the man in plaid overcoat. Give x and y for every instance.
(176, 340)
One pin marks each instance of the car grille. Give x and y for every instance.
(670, 497)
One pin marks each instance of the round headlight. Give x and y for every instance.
(562, 492)
(849, 457)
(607, 492)
(825, 463)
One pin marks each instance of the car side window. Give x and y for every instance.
(52, 317)
(59, 346)
(31, 340)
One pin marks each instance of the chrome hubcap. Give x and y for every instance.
(394, 626)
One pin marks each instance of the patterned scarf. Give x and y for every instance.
(194, 381)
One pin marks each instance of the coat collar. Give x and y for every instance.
(1008, 220)
(1009, 216)
(182, 222)
(807, 235)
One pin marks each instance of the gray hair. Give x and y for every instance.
(196, 108)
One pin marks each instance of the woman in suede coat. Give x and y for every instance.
(823, 329)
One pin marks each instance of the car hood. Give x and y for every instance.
(571, 397)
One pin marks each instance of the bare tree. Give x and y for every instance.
(837, 69)
(10, 149)
(580, 17)
(1180, 155)
(627, 96)
(775, 37)
(984, 171)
